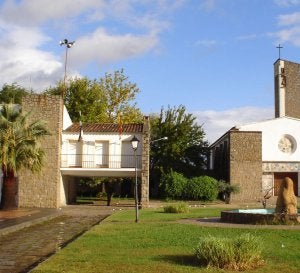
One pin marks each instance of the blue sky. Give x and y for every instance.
(213, 56)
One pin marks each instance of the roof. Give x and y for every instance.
(105, 128)
(257, 126)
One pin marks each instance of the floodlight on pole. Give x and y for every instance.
(68, 45)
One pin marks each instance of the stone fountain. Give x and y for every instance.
(285, 212)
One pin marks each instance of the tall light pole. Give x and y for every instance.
(135, 144)
(68, 45)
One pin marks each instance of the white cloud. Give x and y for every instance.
(31, 12)
(291, 35)
(208, 5)
(287, 3)
(102, 47)
(21, 60)
(216, 123)
(247, 37)
(30, 30)
(290, 32)
(132, 12)
(206, 43)
(289, 19)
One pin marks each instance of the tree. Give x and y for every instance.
(120, 94)
(19, 149)
(186, 147)
(110, 99)
(82, 96)
(12, 93)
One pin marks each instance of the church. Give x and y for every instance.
(258, 156)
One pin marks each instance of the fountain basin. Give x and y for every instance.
(259, 216)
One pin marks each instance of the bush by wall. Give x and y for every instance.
(226, 189)
(202, 188)
(173, 185)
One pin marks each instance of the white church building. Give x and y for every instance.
(259, 155)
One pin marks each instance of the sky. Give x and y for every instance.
(215, 57)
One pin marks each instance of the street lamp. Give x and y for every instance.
(68, 45)
(162, 138)
(135, 144)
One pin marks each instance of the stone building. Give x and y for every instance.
(101, 151)
(259, 155)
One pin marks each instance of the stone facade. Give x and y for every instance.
(43, 189)
(245, 164)
(145, 163)
(287, 85)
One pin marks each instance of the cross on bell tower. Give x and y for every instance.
(279, 49)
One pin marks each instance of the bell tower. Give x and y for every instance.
(287, 89)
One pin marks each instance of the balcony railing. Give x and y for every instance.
(100, 161)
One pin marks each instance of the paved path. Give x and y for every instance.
(24, 248)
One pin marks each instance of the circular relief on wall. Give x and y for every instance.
(287, 144)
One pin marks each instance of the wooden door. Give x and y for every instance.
(278, 180)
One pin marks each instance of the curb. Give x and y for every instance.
(29, 223)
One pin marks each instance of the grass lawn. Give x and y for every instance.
(158, 243)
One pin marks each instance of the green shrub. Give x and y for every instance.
(202, 188)
(173, 184)
(240, 253)
(226, 189)
(177, 208)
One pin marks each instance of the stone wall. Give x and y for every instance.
(292, 95)
(145, 163)
(43, 189)
(292, 88)
(245, 164)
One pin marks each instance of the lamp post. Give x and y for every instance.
(162, 138)
(135, 144)
(68, 45)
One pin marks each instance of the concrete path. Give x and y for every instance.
(29, 236)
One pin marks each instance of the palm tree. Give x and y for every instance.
(19, 148)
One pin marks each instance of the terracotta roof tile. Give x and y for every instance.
(105, 128)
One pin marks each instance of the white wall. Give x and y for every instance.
(272, 131)
(66, 119)
(115, 142)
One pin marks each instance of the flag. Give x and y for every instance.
(120, 127)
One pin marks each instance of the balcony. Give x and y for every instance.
(94, 161)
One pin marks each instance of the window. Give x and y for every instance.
(101, 154)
